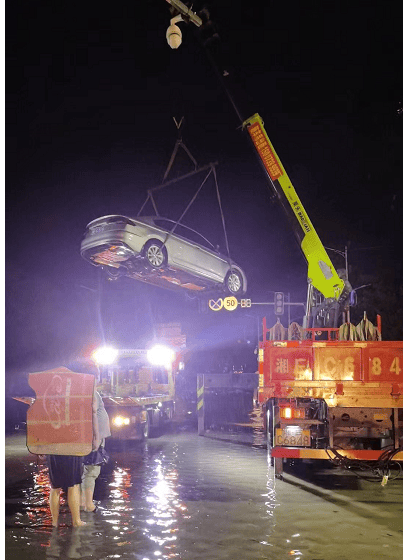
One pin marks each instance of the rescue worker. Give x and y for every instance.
(92, 462)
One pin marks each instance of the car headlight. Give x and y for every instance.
(120, 421)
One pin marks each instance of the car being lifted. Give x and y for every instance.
(160, 251)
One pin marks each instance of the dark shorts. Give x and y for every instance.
(64, 470)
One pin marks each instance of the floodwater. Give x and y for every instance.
(187, 497)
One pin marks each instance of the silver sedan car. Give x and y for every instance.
(161, 252)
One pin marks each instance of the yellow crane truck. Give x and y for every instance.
(327, 392)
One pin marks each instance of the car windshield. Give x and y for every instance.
(185, 231)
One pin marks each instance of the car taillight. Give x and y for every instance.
(291, 412)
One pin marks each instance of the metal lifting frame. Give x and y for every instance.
(210, 166)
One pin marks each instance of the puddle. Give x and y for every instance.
(192, 498)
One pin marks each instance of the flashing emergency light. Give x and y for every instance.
(105, 355)
(160, 355)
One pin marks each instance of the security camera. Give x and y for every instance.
(174, 36)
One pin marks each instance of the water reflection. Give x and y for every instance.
(270, 496)
(75, 542)
(35, 499)
(281, 533)
(166, 508)
(188, 498)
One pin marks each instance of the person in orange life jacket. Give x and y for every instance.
(65, 472)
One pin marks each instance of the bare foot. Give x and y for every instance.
(90, 510)
(79, 523)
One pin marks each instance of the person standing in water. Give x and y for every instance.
(65, 473)
(92, 466)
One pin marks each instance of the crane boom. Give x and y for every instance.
(321, 272)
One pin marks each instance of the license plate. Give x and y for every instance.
(292, 437)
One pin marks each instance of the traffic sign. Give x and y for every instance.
(216, 305)
(245, 303)
(230, 303)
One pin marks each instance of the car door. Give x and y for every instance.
(174, 245)
(196, 258)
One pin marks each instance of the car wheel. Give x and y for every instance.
(156, 254)
(234, 282)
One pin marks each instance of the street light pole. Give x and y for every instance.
(344, 254)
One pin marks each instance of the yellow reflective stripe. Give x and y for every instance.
(200, 404)
(200, 391)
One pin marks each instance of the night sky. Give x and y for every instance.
(91, 92)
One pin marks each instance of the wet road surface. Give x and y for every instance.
(187, 497)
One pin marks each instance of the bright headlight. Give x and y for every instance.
(105, 355)
(120, 421)
(160, 355)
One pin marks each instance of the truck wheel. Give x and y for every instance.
(155, 253)
(278, 467)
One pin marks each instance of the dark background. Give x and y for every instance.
(91, 91)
